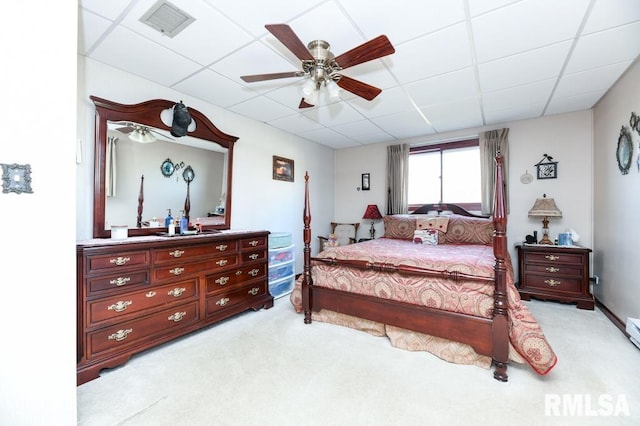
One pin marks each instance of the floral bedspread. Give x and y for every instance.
(528, 343)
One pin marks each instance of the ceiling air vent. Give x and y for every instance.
(166, 18)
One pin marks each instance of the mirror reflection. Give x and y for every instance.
(163, 168)
(147, 165)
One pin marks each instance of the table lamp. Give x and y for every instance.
(373, 213)
(545, 208)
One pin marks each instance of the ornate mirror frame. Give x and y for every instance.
(624, 151)
(148, 114)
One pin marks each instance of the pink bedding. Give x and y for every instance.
(470, 297)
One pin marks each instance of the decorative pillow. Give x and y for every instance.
(439, 223)
(468, 230)
(425, 236)
(399, 226)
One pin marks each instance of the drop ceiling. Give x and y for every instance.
(458, 64)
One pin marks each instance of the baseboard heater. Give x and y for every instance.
(633, 328)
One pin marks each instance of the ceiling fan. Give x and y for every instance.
(322, 67)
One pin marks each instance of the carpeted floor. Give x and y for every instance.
(269, 368)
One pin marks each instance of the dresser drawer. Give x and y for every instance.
(226, 300)
(225, 280)
(114, 261)
(253, 256)
(123, 281)
(253, 243)
(179, 269)
(555, 257)
(188, 253)
(554, 268)
(124, 305)
(123, 335)
(553, 283)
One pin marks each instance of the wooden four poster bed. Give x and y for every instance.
(457, 290)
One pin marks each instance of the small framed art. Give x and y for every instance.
(365, 181)
(547, 168)
(283, 169)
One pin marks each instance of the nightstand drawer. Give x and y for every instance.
(553, 283)
(554, 257)
(555, 269)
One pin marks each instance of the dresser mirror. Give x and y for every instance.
(138, 179)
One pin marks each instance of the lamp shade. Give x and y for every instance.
(142, 135)
(372, 212)
(545, 207)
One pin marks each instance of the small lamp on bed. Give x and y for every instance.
(545, 208)
(373, 213)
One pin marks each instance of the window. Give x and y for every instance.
(445, 173)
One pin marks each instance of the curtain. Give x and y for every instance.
(110, 167)
(397, 178)
(491, 143)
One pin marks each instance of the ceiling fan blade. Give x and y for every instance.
(273, 76)
(359, 88)
(373, 49)
(285, 34)
(125, 130)
(304, 104)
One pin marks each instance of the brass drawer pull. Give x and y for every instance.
(222, 247)
(254, 243)
(177, 316)
(150, 294)
(254, 272)
(222, 262)
(119, 261)
(552, 257)
(552, 269)
(120, 281)
(254, 256)
(177, 292)
(222, 301)
(552, 283)
(254, 291)
(176, 253)
(120, 306)
(120, 335)
(222, 280)
(239, 272)
(177, 271)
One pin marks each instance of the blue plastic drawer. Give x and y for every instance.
(281, 255)
(282, 286)
(281, 271)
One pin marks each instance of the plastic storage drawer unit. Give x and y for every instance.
(281, 266)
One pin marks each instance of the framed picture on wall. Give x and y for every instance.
(282, 169)
(365, 182)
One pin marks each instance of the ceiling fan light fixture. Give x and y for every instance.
(333, 89)
(142, 135)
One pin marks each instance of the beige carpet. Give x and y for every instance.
(269, 368)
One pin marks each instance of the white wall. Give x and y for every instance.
(566, 137)
(259, 202)
(617, 203)
(37, 247)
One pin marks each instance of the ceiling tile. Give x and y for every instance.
(329, 138)
(295, 123)
(455, 115)
(108, 9)
(405, 124)
(433, 54)
(534, 65)
(608, 47)
(214, 88)
(364, 132)
(612, 13)
(444, 88)
(587, 81)
(526, 25)
(94, 27)
(376, 18)
(262, 109)
(388, 102)
(574, 103)
(126, 50)
(535, 93)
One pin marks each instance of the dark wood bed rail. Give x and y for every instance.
(487, 336)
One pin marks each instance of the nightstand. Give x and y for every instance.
(555, 273)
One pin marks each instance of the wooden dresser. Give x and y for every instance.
(143, 291)
(555, 273)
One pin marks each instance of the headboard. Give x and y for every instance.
(442, 207)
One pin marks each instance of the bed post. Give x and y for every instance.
(500, 327)
(306, 278)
